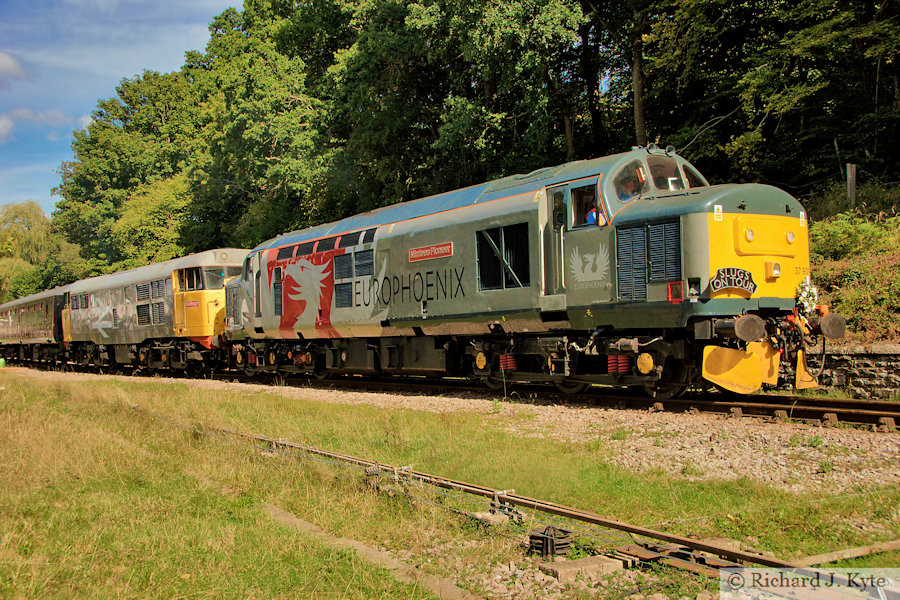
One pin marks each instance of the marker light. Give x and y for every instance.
(749, 235)
(790, 237)
(676, 292)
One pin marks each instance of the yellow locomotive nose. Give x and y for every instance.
(772, 250)
(758, 258)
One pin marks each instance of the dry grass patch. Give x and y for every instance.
(95, 503)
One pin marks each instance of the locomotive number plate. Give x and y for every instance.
(732, 277)
(430, 252)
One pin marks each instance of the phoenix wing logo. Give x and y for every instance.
(305, 283)
(589, 267)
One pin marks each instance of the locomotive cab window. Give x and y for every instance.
(215, 276)
(631, 182)
(586, 207)
(190, 279)
(665, 173)
(503, 260)
(694, 179)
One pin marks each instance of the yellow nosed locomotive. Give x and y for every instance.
(166, 315)
(628, 270)
(625, 270)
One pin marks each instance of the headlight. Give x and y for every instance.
(749, 235)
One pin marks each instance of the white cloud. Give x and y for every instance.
(52, 118)
(107, 5)
(84, 121)
(6, 128)
(10, 68)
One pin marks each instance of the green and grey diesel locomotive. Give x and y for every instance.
(626, 270)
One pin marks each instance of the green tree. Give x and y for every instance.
(24, 232)
(148, 229)
(144, 134)
(33, 256)
(779, 91)
(260, 171)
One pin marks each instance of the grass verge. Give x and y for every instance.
(102, 496)
(96, 503)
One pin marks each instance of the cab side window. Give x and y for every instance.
(584, 203)
(190, 279)
(694, 179)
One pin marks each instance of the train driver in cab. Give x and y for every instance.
(585, 209)
(627, 191)
(593, 217)
(630, 182)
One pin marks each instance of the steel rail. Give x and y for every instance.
(795, 410)
(666, 555)
(513, 499)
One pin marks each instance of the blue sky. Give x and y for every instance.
(59, 57)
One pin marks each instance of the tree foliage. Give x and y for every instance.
(33, 256)
(300, 113)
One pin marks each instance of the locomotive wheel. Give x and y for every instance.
(675, 382)
(494, 383)
(665, 391)
(572, 387)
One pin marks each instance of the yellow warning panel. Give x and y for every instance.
(769, 359)
(804, 380)
(735, 370)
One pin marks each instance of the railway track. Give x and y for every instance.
(628, 543)
(828, 411)
(879, 414)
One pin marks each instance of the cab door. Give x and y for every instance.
(178, 301)
(252, 286)
(588, 250)
(554, 233)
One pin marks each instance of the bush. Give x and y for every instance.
(856, 265)
(846, 235)
(871, 198)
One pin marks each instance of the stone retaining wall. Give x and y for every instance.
(865, 371)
